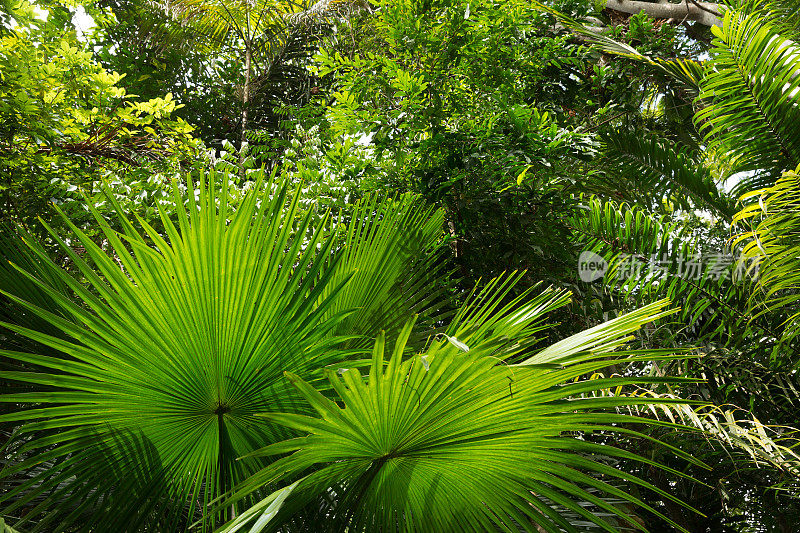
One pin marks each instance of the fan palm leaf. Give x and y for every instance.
(449, 440)
(178, 341)
(15, 249)
(389, 262)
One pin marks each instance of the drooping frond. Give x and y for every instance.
(262, 23)
(773, 244)
(734, 429)
(649, 258)
(659, 172)
(687, 71)
(325, 10)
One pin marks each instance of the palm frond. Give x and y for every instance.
(687, 71)
(663, 173)
(653, 257)
(773, 245)
(507, 328)
(734, 429)
(177, 340)
(262, 23)
(391, 266)
(21, 256)
(784, 14)
(5, 528)
(453, 441)
(177, 347)
(751, 87)
(325, 10)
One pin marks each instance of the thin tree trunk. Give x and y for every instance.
(248, 56)
(705, 13)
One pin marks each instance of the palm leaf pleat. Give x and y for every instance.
(456, 439)
(176, 342)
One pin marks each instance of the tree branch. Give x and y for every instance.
(705, 13)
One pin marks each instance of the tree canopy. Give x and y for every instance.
(408, 265)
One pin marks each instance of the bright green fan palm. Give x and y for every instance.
(149, 409)
(136, 414)
(455, 439)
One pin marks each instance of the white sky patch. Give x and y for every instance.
(83, 22)
(365, 139)
(40, 13)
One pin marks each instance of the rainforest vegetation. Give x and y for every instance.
(399, 265)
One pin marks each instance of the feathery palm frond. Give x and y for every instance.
(324, 10)
(784, 14)
(751, 87)
(773, 245)
(749, 91)
(450, 440)
(687, 71)
(663, 173)
(652, 257)
(219, 21)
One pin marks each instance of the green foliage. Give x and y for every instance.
(335, 173)
(148, 333)
(487, 118)
(652, 257)
(136, 419)
(772, 245)
(66, 124)
(744, 323)
(454, 441)
(447, 96)
(752, 87)
(158, 405)
(157, 56)
(663, 173)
